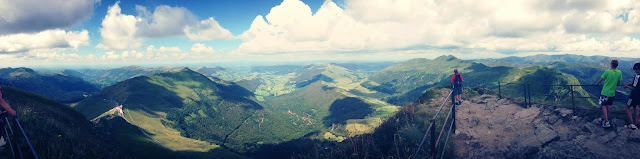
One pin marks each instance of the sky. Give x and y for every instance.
(41, 33)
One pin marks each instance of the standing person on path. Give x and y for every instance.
(611, 78)
(456, 83)
(634, 98)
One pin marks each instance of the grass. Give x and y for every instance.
(166, 135)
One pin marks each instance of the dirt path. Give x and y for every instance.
(492, 128)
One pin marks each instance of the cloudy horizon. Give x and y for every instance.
(119, 33)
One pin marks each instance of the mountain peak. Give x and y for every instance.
(446, 58)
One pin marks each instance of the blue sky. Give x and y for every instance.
(177, 32)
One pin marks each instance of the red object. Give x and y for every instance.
(454, 77)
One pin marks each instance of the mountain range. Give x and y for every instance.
(272, 111)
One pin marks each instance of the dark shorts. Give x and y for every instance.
(633, 102)
(457, 91)
(604, 100)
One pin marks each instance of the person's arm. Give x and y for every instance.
(5, 105)
(600, 81)
(452, 78)
(461, 79)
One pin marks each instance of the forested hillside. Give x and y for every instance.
(60, 87)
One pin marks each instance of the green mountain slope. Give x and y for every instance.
(402, 82)
(57, 131)
(62, 88)
(106, 77)
(190, 113)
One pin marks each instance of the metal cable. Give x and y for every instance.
(431, 125)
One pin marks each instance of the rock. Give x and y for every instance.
(463, 136)
(590, 128)
(574, 117)
(526, 113)
(617, 123)
(634, 136)
(608, 137)
(475, 121)
(564, 112)
(566, 149)
(551, 119)
(528, 140)
(546, 135)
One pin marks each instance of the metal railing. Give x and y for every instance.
(571, 94)
(435, 142)
(14, 145)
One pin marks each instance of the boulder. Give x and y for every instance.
(564, 112)
(545, 134)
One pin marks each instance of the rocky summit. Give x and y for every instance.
(488, 127)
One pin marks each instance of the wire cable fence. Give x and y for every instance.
(435, 140)
(17, 141)
(579, 98)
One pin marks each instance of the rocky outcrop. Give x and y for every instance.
(492, 128)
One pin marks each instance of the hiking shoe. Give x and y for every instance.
(633, 127)
(606, 124)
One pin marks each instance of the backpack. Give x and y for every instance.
(457, 82)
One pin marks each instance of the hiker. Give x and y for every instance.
(611, 78)
(634, 98)
(7, 109)
(456, 83)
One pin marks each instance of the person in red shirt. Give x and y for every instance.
(456, 83)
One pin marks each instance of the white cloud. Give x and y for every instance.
(201, 48)
(121, 31)
(29, 16)
(207, 30)
(165, 21)
(57, 38)
(496, 26)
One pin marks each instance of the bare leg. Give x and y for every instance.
(628, 109)
(605, 112)
(635, 120)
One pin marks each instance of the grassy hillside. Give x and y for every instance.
(62, 88)
(189, 112)
(57, 131)
(403, 82)
(396, 137)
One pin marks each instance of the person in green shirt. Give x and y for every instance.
(611, 78)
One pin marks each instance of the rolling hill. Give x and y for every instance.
(60, 87)
(106, 77)
(57, 131)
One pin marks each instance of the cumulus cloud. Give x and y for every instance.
(30, 16)
(207, 30)
(57, 38)
(383, 25)
(121, 31)
(201, 48)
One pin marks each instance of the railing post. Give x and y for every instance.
(499, 91)
(433, 138)
(573, 102)
(524, 88)
(529, 93)
(453, 119)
